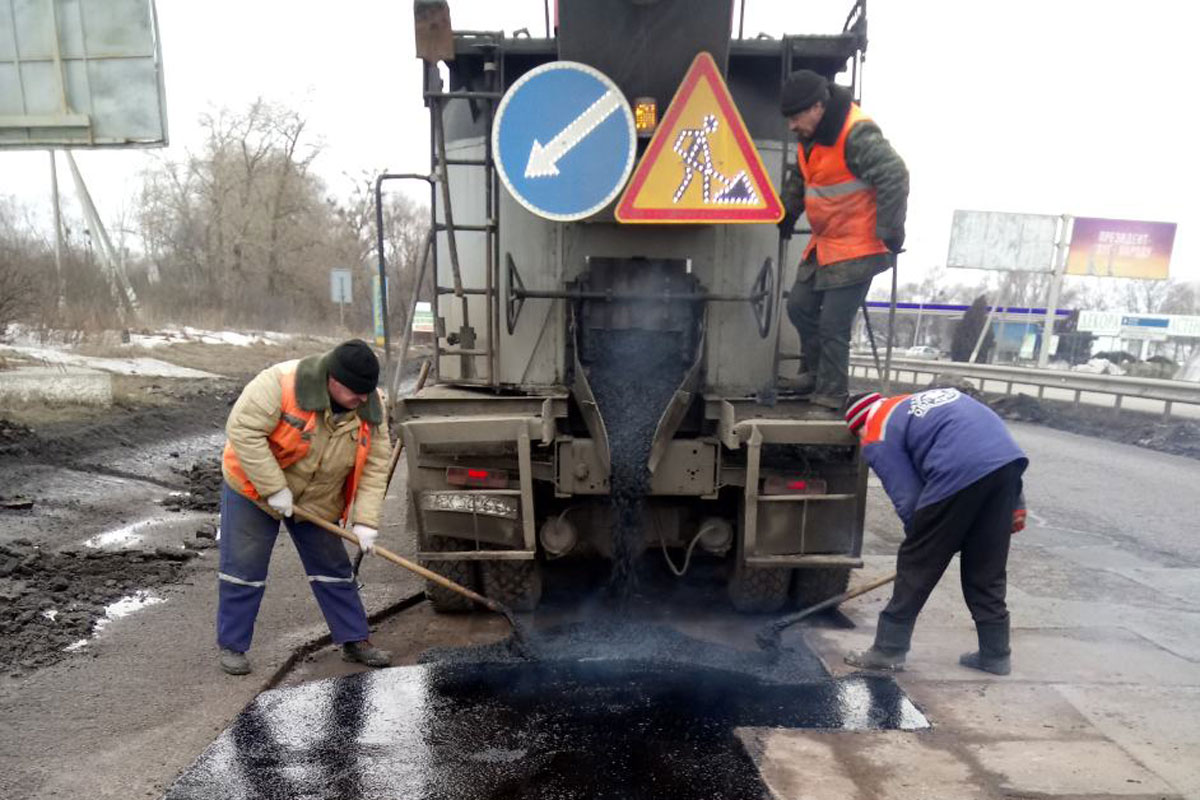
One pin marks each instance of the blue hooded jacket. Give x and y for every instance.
(926, 446)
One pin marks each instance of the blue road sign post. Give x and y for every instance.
(564, 140)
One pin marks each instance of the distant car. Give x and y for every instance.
(923, 351)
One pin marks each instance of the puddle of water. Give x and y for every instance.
(126, 536)
(155, 530)
(113, 611)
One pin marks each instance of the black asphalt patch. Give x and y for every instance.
(588, 726)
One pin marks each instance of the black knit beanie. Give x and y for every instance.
(354, 365)
(803, 89)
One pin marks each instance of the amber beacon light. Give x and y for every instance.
(645, 115)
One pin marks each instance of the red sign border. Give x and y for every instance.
(703, 65)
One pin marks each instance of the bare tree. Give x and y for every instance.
(966, 333)
(405, 227)
(242, 231)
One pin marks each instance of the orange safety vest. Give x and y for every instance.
(841, 208)
(290, 442)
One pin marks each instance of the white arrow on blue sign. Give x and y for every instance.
(564, 140)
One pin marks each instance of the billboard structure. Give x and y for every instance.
(1002, 241)
(1008, 242)
(1121, 248)
(1063, 246)
(81, 74)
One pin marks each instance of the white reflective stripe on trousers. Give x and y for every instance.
(328, 579)
(233, 579)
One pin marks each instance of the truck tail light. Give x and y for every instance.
(793, 484)
(477, 478)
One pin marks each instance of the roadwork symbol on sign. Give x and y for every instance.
(564, 140)
(701, 166)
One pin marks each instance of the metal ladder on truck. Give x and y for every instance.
(466, 342)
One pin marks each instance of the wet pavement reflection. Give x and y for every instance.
(548, 729)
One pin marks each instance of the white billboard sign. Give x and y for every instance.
(81, 73)
(1002, 241)
(340, 286)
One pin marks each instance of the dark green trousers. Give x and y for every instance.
(824, 320)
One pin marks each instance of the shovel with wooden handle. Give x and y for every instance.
(392, 462)
(768, 636)
(520, 637)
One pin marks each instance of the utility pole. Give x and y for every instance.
(1061, 248)
(60, 288)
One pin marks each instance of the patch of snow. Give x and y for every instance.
(113, 611)
(148, 367)
(129, 604)
(125, 536)
(1100, 366)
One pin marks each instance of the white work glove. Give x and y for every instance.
(366, 537)
(281, 501)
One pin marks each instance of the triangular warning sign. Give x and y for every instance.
(701, 166)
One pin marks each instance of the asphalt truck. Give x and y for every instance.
(557, 339)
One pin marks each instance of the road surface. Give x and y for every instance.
(1104, 699)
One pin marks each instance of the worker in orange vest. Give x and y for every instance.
(854, 188)
(307, 432)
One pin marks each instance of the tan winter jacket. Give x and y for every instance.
(318, 480)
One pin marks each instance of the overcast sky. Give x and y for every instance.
(1041, 106)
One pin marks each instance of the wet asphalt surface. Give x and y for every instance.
(617, 712)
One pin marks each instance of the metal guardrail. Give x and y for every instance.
(987, 375)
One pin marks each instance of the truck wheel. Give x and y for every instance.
(812, 586)
(446, 601)
(516, 584)
(759, 590)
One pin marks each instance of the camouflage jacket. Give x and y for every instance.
(872, 160)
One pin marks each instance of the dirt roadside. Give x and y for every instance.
(73, 478)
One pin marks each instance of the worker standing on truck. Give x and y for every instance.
(308, 432)
(854, 188)
(953, 472)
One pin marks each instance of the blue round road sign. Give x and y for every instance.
(564, 140)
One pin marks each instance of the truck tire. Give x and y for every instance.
(759, 590)
(516, 584)
(443, 600)
(812, 586)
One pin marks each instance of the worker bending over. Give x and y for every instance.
(854, 188)
(953, 472)
(308, 432)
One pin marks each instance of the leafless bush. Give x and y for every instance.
(16, 293)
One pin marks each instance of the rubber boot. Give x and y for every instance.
(830, 402)
(234, 663)
(366, 653)
(889, 651)
(801, 385)
(877, 658)
(993, 653)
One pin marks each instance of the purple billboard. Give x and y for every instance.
(1121, 248)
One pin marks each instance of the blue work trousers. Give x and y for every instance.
(247, 538)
